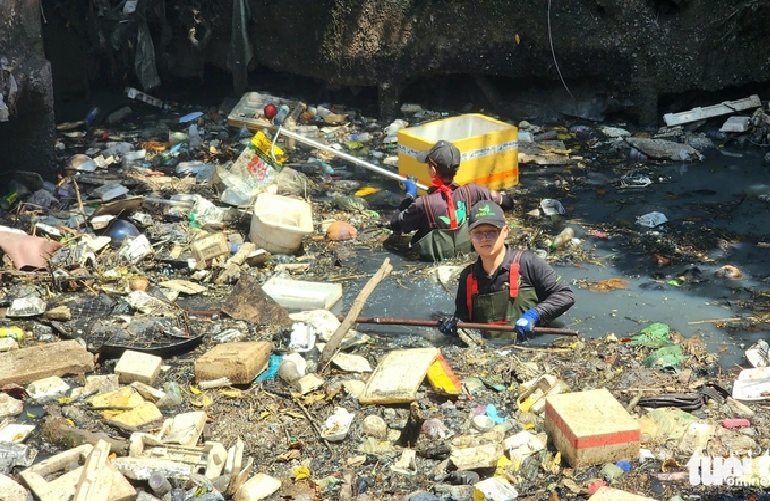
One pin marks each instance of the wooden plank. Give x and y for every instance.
(94, 485)
(56, 359)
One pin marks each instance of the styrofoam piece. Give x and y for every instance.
(301, 295)
(652, 219)
(551, 207)
(279, 223)
(337, 426)
(736, 124)
(712, 111)
(752, 385)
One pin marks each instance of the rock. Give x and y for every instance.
(135, 366)
(249, 302)
(9, 406)
(341, 231)
(257, 487)
(60, 313)
(375, 426)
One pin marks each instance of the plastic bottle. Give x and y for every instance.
(91, 116)
(283, 112)
(159, 484)
(14, 332)
(288, 372)
(193, 136)
(563, 239)
(172, 399)
(178, 495)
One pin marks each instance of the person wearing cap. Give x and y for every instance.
(439, 218)
(505, 285)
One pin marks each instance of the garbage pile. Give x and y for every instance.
(168, 333)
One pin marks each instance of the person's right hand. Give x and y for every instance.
(410, 185)
(448, 326)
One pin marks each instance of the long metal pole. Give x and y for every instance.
(414, 322)
(342, 154)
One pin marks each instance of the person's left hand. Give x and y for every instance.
(526, 323)
(448, 326)
(411, 186)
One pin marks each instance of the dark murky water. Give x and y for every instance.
(717, 197)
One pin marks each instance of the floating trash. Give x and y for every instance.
(652, 219)
(551, 207)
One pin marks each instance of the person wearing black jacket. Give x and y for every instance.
(505, 285)
(439, 219)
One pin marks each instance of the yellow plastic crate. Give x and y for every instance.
(489, 150)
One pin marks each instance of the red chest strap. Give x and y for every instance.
(472, 285)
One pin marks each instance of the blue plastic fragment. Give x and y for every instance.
(272, 369)
(492, 414)
(623, 465)
(190, 117)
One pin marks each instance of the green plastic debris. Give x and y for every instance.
(653, 336)
(668, 357)
(674, 283)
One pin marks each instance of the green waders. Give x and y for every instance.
(501, 307)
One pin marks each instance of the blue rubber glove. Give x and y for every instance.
(448, 326)
(526, 323)
(411, 186)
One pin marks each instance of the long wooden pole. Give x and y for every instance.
(355, 309)
(415, 322)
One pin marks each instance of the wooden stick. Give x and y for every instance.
(80, 204)
(312, 423)
(717, 320)
(358, 305)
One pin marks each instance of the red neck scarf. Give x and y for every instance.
(450, 206)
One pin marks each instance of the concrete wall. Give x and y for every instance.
(27, 139)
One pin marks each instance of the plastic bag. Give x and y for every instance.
(654, 335)
(144, 59)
